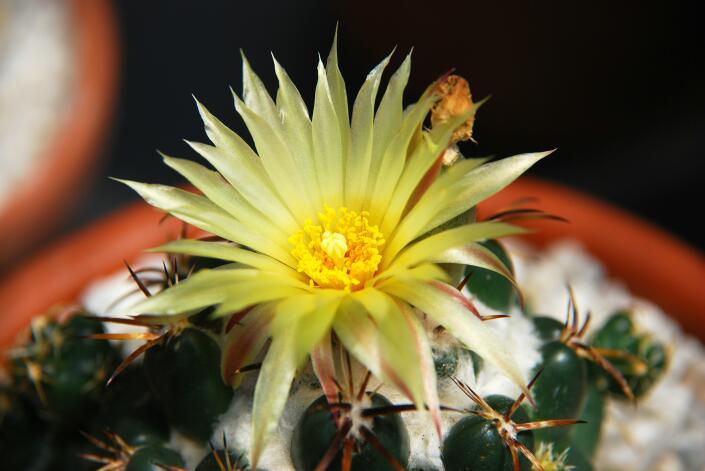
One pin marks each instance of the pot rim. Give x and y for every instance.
(53, 184)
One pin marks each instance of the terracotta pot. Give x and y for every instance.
(42, 201)
(652, 263)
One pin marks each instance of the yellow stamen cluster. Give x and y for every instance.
(342, 251)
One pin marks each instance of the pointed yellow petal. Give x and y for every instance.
(256, 97)
(220, 192)
(266, 289)
(244, 342)
(444, 304)
(240, 166)
(201, 212)
(477, 256)
(358, 333)
(297, 131)
(397, 343)
(203, 289)
(278, 162)
(425, 154)
(450, 195)
(292, 340)
(388, 120)
(328, 148)
(436, 244)
(361, 133)
(324, 367)
(338, 94)
(272, 390)
(394, 159)
(226, 251)
(423, 272)
(312, 313)
(426, 366)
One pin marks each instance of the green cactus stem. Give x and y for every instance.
(363, 440)
(639, 358)
(184, 375)
(61, 368)
(495, 436)
(493, 289)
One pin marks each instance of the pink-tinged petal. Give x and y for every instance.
(456, 295)
(358, 334)
(405, 351)
(244, 342)
(272, 390)
(478, 256)
(324, 367)
(426, 365)
(445, 305)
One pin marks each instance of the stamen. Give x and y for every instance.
(342, 251)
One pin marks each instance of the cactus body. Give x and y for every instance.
(316, 429)
(474, 443)
(184, 376)
(491, 288)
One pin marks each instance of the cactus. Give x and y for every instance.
(340, 248)
(116, 453)
(638, 357)
(497, 436)
(490, 287)
(372, 441)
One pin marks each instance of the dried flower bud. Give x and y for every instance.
(455, 99)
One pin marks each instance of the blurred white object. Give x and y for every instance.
(36, 67)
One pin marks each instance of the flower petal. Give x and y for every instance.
(324, 367)
(477, 256)
(436, 244)
(425, 154)
(215, 188)
(297, 131)
(203, 289)
(202, 213)
(244, 342)
(272, 390)
(256, 97)
(388, 119)
(294, 334)
(328, 146)
(278, 162)
(226, 251)
(311, 314)
(426, 365)
(361, 133)
(338, 94)
(450, 195)
(358, 333)
(405, 351)
(394, 158)
(240, 166)
(249, 294)
(443, 303)
(230, 289)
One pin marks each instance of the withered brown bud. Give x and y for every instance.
(456, 99)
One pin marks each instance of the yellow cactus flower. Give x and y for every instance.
(334, 230)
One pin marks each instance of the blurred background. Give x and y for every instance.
(616, 87)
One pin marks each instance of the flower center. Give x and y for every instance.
(342, 251)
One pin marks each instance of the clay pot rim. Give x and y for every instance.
(50, 190)
(616, 237)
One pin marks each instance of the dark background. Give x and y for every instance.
(617, 87)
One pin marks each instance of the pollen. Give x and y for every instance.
(341, 250)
